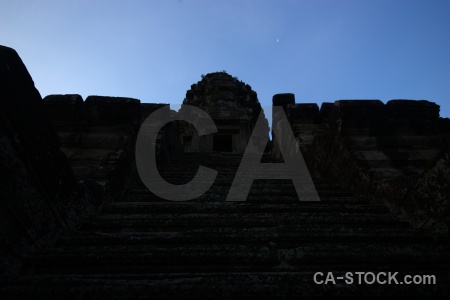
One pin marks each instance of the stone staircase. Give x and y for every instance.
(142, 246)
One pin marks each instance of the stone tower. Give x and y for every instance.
(233, 106)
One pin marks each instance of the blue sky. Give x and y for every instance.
(322, 50)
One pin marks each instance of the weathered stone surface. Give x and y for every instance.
(284, 99)
(271, 244)
(304, 119)
(65, 110)
(427, 203)
(233, 106)
(306, 123)
(360, 116)
(68, 116)
(169, 141)
(325, 109)
(306, 113)
(224, 97)
(375, 150)
(39, 195)
(103, 110)
(444, 125)
(410, 117)
(98, 136)
(148, 108)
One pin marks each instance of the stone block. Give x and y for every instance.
(65, 110)
(359, 114)
(412, 117)
(148, 108)
(283, 99)
(303, 113)
(112, 110)
(423, 109)
(444, 126)
(325, 110)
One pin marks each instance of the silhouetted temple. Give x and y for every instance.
(77, 222)
(231, 104)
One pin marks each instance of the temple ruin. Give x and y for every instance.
(232, 105)
(77, 222)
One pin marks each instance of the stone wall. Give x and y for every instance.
(98, 136)
(169, 141)
(377, 151)
(427, 202)
(305, 121)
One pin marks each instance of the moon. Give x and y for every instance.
(278, 40)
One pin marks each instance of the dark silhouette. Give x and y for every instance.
(76, 222)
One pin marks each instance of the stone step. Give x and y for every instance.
(402, 164)
(271, 244)
(257, 184)
(195, 161)
(245, 220)
(283, 236)
(150, 258)
(184, 170)
(264, 199)
(230, 257)
(233, 207)
(218, 190)
(213, 161)
(220, 179)
(216, 155)
(217, 285)
(223, 180)
(193, 164)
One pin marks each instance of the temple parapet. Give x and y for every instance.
(374, 149)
